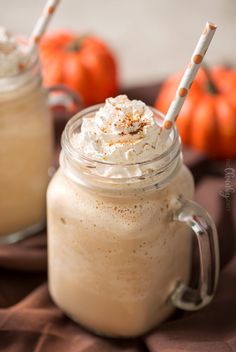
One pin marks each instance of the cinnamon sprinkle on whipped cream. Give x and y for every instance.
(11, 57)
(122, 131)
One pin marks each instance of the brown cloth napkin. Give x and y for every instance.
(30, 322)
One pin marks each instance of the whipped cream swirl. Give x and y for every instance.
(122, 131)
(11, 57)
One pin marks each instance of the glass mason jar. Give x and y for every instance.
(120, 249)
(26, 152)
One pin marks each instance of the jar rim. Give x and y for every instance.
(76, 155)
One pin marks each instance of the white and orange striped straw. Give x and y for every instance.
(187, 80)
(42, 23)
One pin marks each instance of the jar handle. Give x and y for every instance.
(201, 223)
(65, 97)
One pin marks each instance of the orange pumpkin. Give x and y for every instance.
(83, 63)
(207, 120)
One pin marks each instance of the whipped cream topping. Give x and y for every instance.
(122, 131)
(11, 57)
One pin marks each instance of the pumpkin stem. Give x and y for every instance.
(211, 87)
(76, 44)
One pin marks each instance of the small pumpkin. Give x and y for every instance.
(82, 63)
(207, 120)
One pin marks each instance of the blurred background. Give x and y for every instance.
(151, 38)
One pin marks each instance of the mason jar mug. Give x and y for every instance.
(120, 248)
(26, 151)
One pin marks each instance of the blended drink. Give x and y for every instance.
(115, 255)
(26, 141)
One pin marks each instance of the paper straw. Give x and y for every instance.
(42, 23)
(187, 79)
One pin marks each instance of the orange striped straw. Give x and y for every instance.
(42, 23)
(187, 79)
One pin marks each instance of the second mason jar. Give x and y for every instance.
(25, 151)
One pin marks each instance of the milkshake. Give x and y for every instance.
(116, 254)
(26, 141)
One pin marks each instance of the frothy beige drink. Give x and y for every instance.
(26, 141)
(115, 253)
(113, 262)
